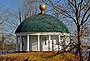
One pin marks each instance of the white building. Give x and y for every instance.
(41, 32)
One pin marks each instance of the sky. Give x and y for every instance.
(6, 3)
(11, 4)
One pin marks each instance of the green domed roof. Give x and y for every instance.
(42, 23)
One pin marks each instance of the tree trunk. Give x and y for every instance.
(2, 43)
(79, 42)
(89, 56)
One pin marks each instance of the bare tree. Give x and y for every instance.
(30, 8)
(2, 43)
(76, 10)
(4, 14)
(25, 9)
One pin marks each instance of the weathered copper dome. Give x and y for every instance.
(42, 23)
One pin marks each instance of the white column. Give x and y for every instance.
(38, 42)
(20, 43)
(27, 42)
(16, 43)
(59, 42)
(49, 44)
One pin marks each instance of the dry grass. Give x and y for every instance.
(38, 56)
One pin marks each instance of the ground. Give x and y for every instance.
(39, 56)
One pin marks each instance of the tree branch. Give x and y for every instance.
(82, 21)
(85, 5)
(80, 4)
(46, 2)
(71, 3)
(72, 8)
(86, 18)
(57, 2)
(65, 13)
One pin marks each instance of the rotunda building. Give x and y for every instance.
(41, 32)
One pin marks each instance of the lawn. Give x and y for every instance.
(39, 56)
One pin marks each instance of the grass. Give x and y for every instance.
(38, 56)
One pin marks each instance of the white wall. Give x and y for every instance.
(33, 42)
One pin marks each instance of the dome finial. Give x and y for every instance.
(42, 8)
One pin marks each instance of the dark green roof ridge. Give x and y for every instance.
(42, 23)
